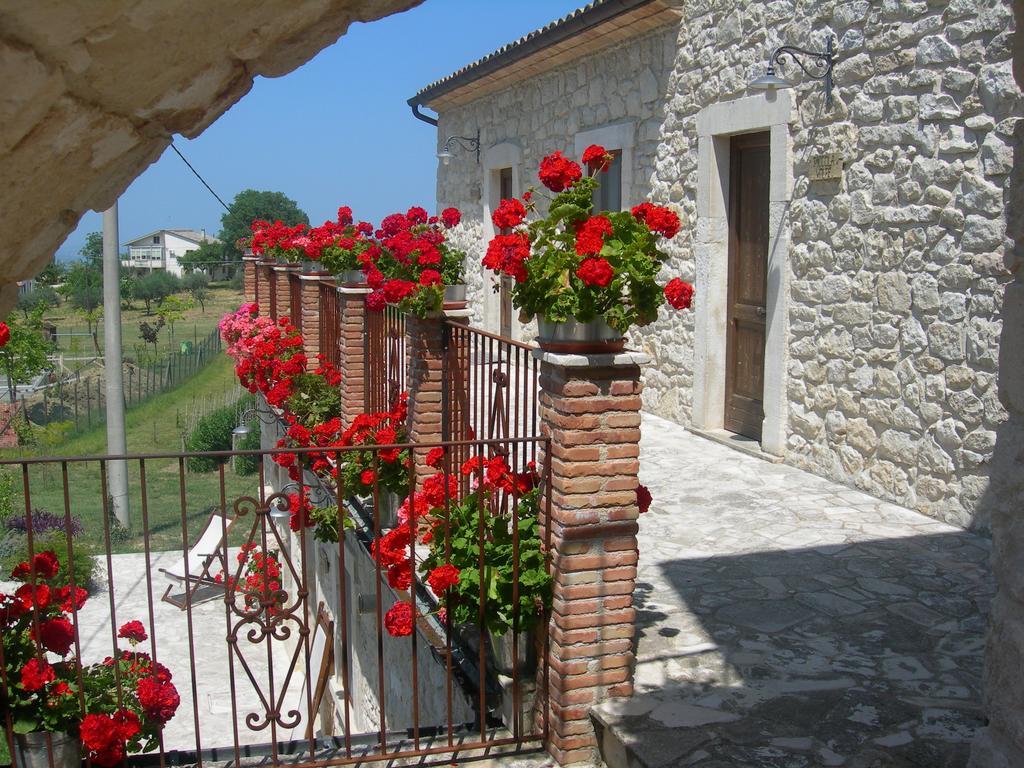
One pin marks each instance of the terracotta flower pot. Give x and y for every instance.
(574, 337)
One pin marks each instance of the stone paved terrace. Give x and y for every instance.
(789, 621)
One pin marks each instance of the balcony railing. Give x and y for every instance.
(274, 633)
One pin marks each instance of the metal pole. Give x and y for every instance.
(117, 471)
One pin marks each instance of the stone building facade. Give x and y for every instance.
(883, 283)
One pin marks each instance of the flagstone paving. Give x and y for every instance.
(788, 621)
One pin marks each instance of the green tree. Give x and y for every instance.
(128, 280)
(52, 273)
(92, 250)
(203, 259)
(197, 284)
(24, 356)
(156, 287)
(41, 296)
(172, 309)
(250, 204)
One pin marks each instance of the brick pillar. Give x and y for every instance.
(263, 277)
(281, 275)
(590, 407)
(249, 277)
(311, 314)
(424, 378)
(352, 351)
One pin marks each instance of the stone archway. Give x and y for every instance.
(94, 90)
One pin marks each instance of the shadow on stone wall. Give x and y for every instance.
(1002, 508)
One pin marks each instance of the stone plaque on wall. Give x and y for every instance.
(826, 165)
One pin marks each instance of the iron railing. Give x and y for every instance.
(330, 321)
(246, 656)
(385, 355)
(491, 389)
(295, 299)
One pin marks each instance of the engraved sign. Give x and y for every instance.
(828, 165)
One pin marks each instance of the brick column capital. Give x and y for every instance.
(590, 409)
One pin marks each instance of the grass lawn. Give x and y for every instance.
(151, 428)
(194, 326)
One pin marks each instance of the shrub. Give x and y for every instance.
(211, 433)
(85, 566)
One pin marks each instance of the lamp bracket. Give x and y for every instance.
(468, 143)
(823, 61)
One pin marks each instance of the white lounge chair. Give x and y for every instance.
(321, 666)
(208, 551)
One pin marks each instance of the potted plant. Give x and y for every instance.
(416, 263)
(517, 590)
(56, 705)
(382, 475)
(588, 277)
(279, 242)
(343, 247)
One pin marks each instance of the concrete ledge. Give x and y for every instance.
(353, 291)
(737, 442)
(610, 360)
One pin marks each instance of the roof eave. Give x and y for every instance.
(537, 41)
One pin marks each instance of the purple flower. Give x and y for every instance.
(43, 522)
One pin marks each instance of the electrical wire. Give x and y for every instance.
(178, 152)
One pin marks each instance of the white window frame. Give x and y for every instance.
(620, 136)
(506, 154)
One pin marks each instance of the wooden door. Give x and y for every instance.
(748, 270)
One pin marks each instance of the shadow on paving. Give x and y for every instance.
(866, 654)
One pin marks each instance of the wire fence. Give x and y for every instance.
(78, 402)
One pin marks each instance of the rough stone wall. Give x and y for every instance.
(897, 271)
(94, 90)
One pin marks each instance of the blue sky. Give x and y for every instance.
(336, 131)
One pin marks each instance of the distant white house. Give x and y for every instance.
(163, 248)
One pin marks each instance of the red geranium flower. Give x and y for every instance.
(46, 564)
(451, 217)
(657, 218)
(643, 498)
(507, 254)
(430, 277)
(159, 699)
(56, 635)
(679, 293)
(591, 234)
(40, 596)
(509, 213)
(434, 456)
(71, 602)
(400, 575)
(399, 620)
(597, 158)
(443, 578)
(558, 173)
(133, 631)
(416, 215)
(595, 271)
(5, 334)
(393, 547)
(375, 302)
(36, 674)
